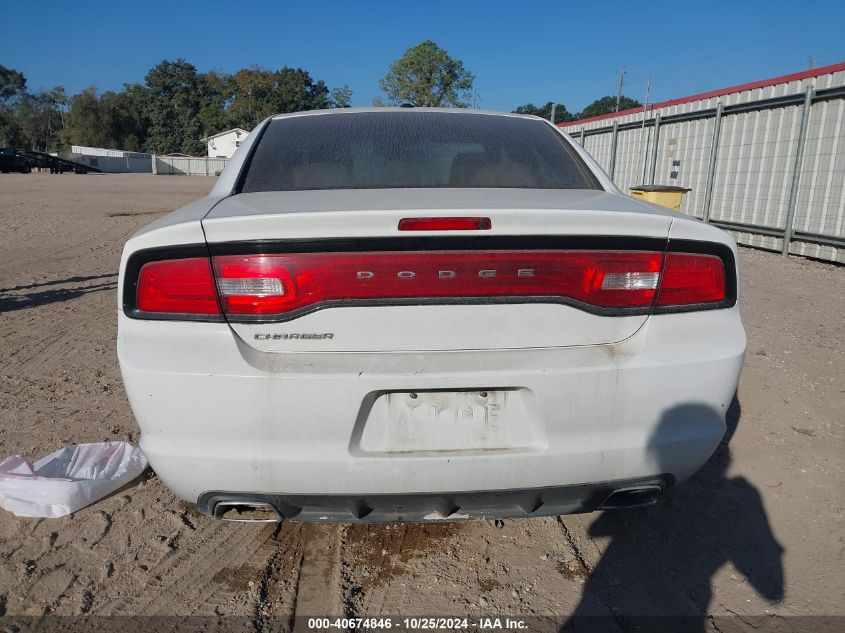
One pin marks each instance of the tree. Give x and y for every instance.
(426, 75)
(341, 97)
(173, 102)
(607, 105)
(132, 123)
(252, 100)
(85, 124)
(259, 93)
(562, 115)
(171, 112)
(39, 119)
(114, 119)
(298, 92)
(216, 94)
(12, 83)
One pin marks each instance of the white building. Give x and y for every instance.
(224, 144)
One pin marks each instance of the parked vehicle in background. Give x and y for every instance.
(12, 161)
(400, 314)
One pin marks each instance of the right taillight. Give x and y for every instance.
(690, 278)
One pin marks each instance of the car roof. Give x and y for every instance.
(406, 111)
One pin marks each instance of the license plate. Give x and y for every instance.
(450, 421)
(449, 408)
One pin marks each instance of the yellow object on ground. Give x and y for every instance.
(668, 196)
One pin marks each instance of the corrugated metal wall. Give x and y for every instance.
(821, 194)
(188, 165)
(119, 161)
(128, 162)
(755, 159)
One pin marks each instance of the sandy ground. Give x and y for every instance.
(759, 531)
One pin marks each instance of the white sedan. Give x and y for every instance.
(400, 314)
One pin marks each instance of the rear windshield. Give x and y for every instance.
(378, 150)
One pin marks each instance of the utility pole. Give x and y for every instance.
(619, 90)
(475, 100)
(643, 138)
(552, 116)
(810, 63)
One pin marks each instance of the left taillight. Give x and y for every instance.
(692, 279)
(177, 286)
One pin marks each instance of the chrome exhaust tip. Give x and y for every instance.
(632, 497)
(246, 512)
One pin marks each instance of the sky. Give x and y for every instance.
(520, 53)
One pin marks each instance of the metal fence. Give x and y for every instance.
(188, 165)
(115, 163)
(771, 170)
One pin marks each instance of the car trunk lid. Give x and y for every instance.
(351, 233)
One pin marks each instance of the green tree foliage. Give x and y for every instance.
(216, 88)
(36, 120)
(85, 125)
(426, 75)
(607, 105)
(298, 92)
(173, 100)
(171, 111)
(112, 119)
(258, 93)
(562, 115)
(12, 83)
(252, 96)
(341, 97)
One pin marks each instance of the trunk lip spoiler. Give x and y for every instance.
(463, 242)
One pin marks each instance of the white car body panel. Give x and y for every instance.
(367, 214)
(275, 424)
(581, 398)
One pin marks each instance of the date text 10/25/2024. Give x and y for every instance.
(418, 623)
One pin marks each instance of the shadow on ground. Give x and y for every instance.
(13, 302)
(656, 573)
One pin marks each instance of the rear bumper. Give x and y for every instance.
(216, 415)
(426, 508)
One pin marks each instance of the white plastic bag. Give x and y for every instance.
(69, 479)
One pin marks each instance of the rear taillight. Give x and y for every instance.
(285, 285)
(289, 283)
(254, 284)
(691, 279)
(177, 286)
